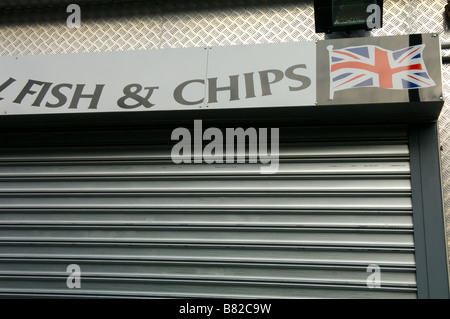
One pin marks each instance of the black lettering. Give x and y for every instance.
(249, 85)
(265, 83)
(306, 81)
(56, 92)
(178, 93)
(233, 88)
(95, 97)
(132, 93)
(42, 94)
(27, 90)
(6, 84)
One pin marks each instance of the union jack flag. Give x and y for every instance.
(372, 66)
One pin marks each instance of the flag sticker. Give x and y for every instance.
(373, 66)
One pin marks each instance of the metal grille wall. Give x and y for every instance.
(138, 225)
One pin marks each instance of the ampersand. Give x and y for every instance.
(132, 92)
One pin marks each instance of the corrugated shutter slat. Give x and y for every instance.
(140, 226)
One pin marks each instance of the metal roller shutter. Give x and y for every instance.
(140, 226)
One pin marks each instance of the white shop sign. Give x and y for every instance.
(263, 75)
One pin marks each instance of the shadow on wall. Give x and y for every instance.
(351, 34)
(28, 11)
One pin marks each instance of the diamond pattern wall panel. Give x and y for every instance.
(232, 22)
(91, 37)
(46, 32)
(240, 26)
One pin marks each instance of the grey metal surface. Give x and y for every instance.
(139, 225)
(428, 219)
